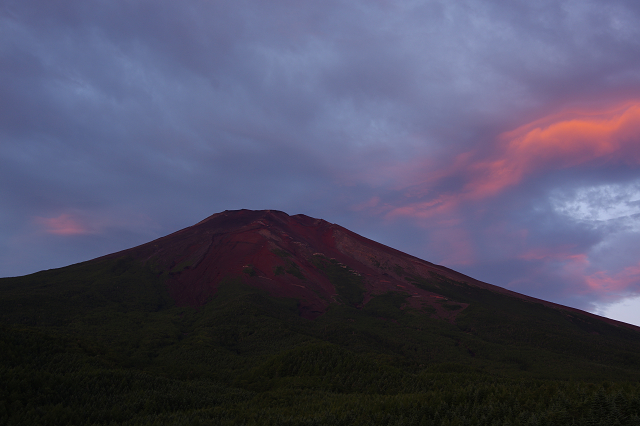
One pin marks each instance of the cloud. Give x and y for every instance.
(64, 225)
(569, 139)
(585, 278)
(93, 223)
(495, 136)
(564, 140)
(600, 203)
(621, 282)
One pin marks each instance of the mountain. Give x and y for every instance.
(251, 317)
(299, 257)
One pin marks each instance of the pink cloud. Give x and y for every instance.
(601, 281)
(425, 210)
(558, 262)
(558, 141)
(561, 253)
(563, 140)
(64, 224)
(577, 268)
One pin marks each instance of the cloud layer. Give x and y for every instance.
(499, 138)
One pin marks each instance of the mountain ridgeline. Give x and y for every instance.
(258, 317)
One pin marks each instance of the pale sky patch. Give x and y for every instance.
(599, 203)
(625, 310)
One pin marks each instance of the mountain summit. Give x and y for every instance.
(310, 260)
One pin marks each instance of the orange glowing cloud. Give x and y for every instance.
(558, 141)
(64, 224)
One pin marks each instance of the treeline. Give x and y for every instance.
(55, 381)
(127, 398)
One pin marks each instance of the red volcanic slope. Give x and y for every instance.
(199, 257)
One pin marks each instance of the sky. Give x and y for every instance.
(500, 138)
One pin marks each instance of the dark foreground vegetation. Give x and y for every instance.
(101, 344)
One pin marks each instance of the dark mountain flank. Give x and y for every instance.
(258, 317)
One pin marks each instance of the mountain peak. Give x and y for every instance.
(311, 260)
